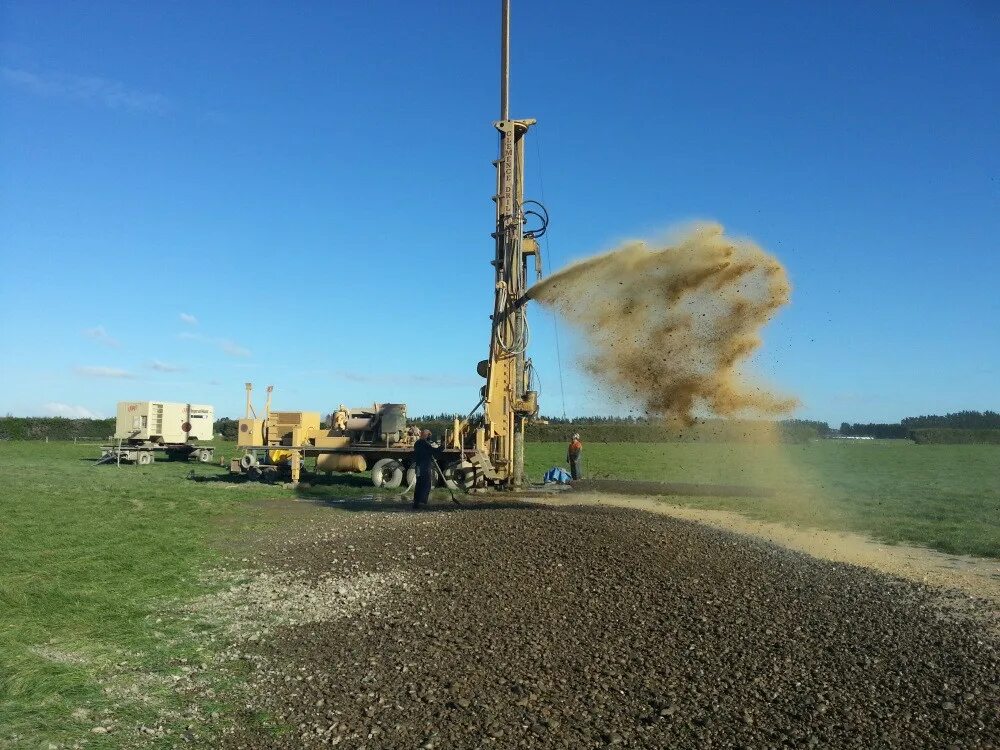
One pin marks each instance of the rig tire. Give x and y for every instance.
(388, 473)
(411, 477)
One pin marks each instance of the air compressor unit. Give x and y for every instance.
(143, 428)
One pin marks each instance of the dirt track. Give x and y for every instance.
(580, 627)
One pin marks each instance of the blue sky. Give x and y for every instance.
(199, 194)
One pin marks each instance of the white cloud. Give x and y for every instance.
(232, 348)
(165, 367)
(189, 319)
(56, 409)
(101, 336)
(99, 371)
(225, 345)
(86, 89)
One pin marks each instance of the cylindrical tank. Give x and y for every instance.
(340, 462)
(360, 424)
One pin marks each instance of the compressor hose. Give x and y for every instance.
(521, 336)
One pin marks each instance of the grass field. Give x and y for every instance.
(90, 555)
(942, 496)
(95, 559)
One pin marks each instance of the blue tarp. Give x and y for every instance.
(557, 474)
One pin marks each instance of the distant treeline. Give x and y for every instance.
(946, 435)
(961, 428)
(960, 420)
(54, 428)
(226, 428)
(639, 430)
(63, 428)
(881, 430)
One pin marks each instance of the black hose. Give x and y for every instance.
(542, 214)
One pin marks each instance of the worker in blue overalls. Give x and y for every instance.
(424, 455)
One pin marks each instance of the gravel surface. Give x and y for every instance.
(633, 487)
(539, 627)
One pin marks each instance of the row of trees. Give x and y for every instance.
(954, 436)
(879, 430)
(645, 430)
(959, 427)
(226, 428)
(63, 428)
(960, 420)
(54, 428)
(973, 424)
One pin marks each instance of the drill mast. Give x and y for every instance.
(508, 398)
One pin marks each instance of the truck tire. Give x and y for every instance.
(465, 475)
(388, 473)
(411, 477)
(205, 455)
(144, 458)
(248, 461)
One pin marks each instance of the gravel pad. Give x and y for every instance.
(572, 627)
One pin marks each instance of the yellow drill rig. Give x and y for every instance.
(486, 450)
(493, 442)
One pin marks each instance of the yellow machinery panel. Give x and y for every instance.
(291, 427)
(306, 420)
(251, 432)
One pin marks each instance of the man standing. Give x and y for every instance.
(574, 454)
(424, 454)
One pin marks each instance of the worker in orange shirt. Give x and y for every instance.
(574, 455)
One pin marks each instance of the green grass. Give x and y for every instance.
(93, 556)
(943, 496)
(90, 555)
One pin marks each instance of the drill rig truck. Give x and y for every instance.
(375, 438)
(485, 450)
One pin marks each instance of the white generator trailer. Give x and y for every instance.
(145, 428)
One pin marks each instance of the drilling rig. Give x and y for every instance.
(494, 442)
(483, 451)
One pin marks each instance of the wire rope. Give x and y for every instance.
(548, 263)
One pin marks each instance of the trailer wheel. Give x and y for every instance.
(144, 458)
(205, 455)
(387, 472)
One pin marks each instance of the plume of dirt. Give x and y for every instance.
(670, 326)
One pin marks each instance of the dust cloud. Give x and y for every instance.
(671, 326)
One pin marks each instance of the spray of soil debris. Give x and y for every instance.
(671, 326)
